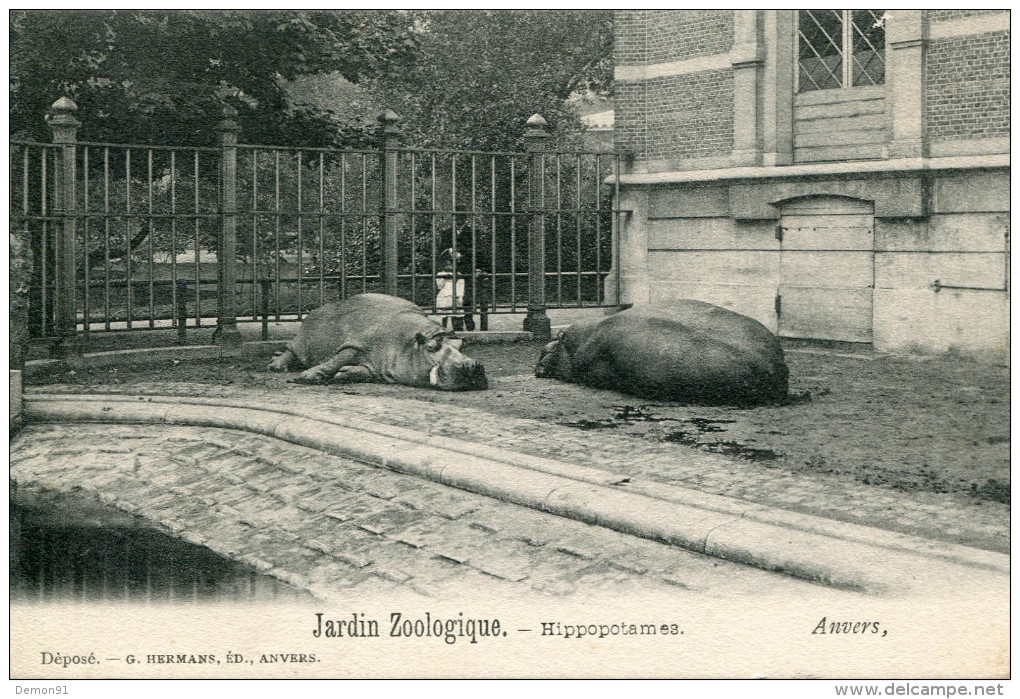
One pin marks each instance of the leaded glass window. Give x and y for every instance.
(840, 48)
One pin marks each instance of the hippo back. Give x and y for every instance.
(362, 321)
(685, 351)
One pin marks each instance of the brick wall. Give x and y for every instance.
(967, 87)
(676, 116)
(690, 116)
(942, 15)
(629, 37)
(677, 35)
(629, 120)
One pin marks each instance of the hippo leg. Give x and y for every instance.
(323, 373)
(284, 361)
(353, 374)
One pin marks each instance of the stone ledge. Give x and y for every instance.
(258, 348)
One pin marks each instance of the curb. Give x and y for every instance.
(812, 548)
(254, 348)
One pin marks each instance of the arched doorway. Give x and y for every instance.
(827, 269)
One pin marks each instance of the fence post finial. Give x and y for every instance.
(535, 139)
(61, 119)
(389, 143)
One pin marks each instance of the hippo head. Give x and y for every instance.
(450, 370)
(553, 362)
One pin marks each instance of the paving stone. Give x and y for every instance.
(391, 522)
(603, 576)
(455, 540)
(512, 523)
(593, 542)
(505, 560)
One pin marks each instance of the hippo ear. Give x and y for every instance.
(420, 339)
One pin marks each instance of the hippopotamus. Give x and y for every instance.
(683, 351)
(375, 337)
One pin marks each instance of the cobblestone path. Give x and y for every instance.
(947, 517)
(333, 526)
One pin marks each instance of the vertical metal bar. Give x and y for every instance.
(343, 228)
(106, 237)
(322, 231)
(47, 319)
(300, 220)
(276, 210)
(364, 222)
(127, 238)
(198, 254)
(86, 281)
(474, 238)
(435, 260)
(598, 230)
(414, 258)
(513, 235)
(492, 242)
(559, 229)
(255, 232)
(577, 220)
(27, 229)
(453, 231)
(173, 236)
(616, 242)
(492, 265)
(152, 264)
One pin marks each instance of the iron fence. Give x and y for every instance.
(129, 237)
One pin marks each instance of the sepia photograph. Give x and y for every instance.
(544, 344)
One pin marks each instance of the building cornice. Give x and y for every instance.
(967, 162)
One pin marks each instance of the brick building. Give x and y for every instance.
(835, 174)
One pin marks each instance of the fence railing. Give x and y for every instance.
(129, 237)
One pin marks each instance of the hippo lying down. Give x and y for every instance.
(374, 337)
(683, 351)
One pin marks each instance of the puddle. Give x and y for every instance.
(622, 415)
(65, 555)
(691, 437)
(739, 450)
(591, 424)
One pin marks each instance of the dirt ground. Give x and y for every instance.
(915, 424)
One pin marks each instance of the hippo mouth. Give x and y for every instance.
(467, 376)
(547, 360)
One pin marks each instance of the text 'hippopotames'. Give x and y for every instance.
(683, 351)
(375, 337)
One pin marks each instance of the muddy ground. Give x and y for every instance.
(916, 424)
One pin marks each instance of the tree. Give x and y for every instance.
(479, 75)
(162, 77)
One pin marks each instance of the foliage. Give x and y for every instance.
(481, 74)
(162, 76)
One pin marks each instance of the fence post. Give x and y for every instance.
(535, 139)
(226, 332)
(389, 142)
(65, 207)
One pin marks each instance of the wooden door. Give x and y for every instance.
(827, 269)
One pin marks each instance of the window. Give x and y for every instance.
(840, 48)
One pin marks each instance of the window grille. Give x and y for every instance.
(840, 48)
